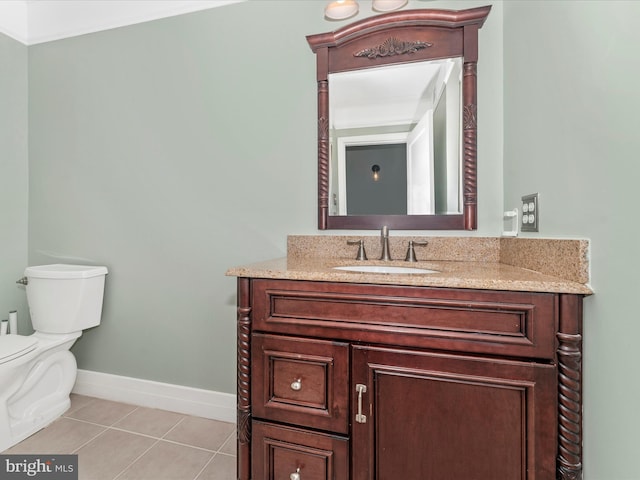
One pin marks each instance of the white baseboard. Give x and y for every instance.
(165, 396)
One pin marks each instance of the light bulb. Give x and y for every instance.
(341, 9)
(388, 5)
(376, 172)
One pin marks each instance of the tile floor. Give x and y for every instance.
(116, 441)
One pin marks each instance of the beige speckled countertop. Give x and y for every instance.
(487, 275)
(475, 275)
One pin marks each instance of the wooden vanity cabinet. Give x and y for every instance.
(344, 381)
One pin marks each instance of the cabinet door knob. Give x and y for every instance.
(296, 385)
(295, 475)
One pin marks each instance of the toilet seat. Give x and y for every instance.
(14, 346)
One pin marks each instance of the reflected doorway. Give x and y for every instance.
(386, 195)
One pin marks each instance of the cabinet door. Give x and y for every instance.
(434, 416)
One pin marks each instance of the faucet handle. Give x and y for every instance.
(362, 255)
(411, 253)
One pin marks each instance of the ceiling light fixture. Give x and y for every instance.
(388, 5)
(376, 172)
(341, 9)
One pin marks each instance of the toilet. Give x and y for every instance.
(37, 372)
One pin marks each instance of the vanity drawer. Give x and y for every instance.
(301, 381)
(278, 452)
(479, 321)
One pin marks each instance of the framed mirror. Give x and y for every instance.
(397, 121)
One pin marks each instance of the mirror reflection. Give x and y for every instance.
(395, 139)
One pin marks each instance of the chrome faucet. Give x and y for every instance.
(384, 236)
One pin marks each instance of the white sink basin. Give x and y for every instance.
(384, 269)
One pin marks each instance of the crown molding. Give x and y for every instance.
(37, 21)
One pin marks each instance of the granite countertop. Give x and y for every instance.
(451, 274)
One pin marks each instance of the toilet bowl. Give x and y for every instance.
(37, 372)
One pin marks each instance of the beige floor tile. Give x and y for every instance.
(62, 436)
(77, 402)
(107, 453)
(102, 412)
(149, 421)
(221, 467)
(168, 461)
(230, 447)
(110, 453)
(201, 432)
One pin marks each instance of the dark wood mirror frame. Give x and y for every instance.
(389, 39)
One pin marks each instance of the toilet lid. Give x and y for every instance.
(14, 346)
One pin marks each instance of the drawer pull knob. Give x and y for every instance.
(297, 385)
(360, 388)
(295, 475)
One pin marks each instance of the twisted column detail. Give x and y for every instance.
(570, 407)
(323, 153)
(244, 380)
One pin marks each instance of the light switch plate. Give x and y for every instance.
(530, 213)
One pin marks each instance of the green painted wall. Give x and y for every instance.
(13, 177)
(170, 151)
(571, 133)
(174, 149)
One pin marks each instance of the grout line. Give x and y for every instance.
(162, 438)
(157, 439)
(216, 453)
(173, 428)
(90, 440)
(77, 408)
(231, 438)
(128, 414)
(87, 421)
(90, 423)
(124, 430)
(187, 445)
(225, 454)
(205, 466)
(136, 459)
(99, 424)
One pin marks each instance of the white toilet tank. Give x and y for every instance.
(65, 298)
